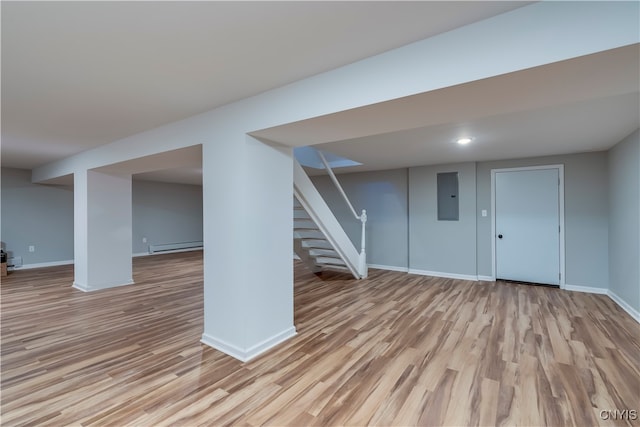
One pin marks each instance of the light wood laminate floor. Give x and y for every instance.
(394, 349)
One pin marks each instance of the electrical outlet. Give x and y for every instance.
(32, 248)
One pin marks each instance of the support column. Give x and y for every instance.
(248, 232)
(102, 230)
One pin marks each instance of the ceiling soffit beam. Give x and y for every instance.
(604, 74)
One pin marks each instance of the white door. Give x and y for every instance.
(527, 215)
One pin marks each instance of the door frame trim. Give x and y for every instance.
(560, 168)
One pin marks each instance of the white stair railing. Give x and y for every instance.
(320, 213)
(363, 270)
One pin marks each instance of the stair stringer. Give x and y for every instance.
(321, 214)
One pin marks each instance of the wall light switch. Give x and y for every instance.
(32, 248)
(484, 212)
(144, 240)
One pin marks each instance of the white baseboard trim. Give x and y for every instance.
(635, 314)
(70, 261)
(81, 287)
(41, 265)
(86, 288)
(442, 274)
(433, 273)
(587, 289)
(244, 355)
(625, 306)
(389, 267)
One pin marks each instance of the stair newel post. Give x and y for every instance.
(364, 271)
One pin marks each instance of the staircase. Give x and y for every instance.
(312, 246)
(318, 239)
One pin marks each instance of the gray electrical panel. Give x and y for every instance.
(448, 206)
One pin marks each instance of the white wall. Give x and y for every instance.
(601, 191)
(42, 215)
(442, 247)
(248, 234)
(586, 215)
(464, 247)
(102, 230)
(624, 222)
(165, 213)
(38, 215)
(384, 195)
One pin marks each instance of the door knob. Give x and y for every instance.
(499, 236)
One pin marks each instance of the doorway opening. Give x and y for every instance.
(527, 224)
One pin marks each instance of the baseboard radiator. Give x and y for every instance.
(171, 247)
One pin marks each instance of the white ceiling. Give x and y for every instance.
(76, 75)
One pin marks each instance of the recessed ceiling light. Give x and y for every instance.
(464, 141)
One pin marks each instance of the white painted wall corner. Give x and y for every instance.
(625, 306)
